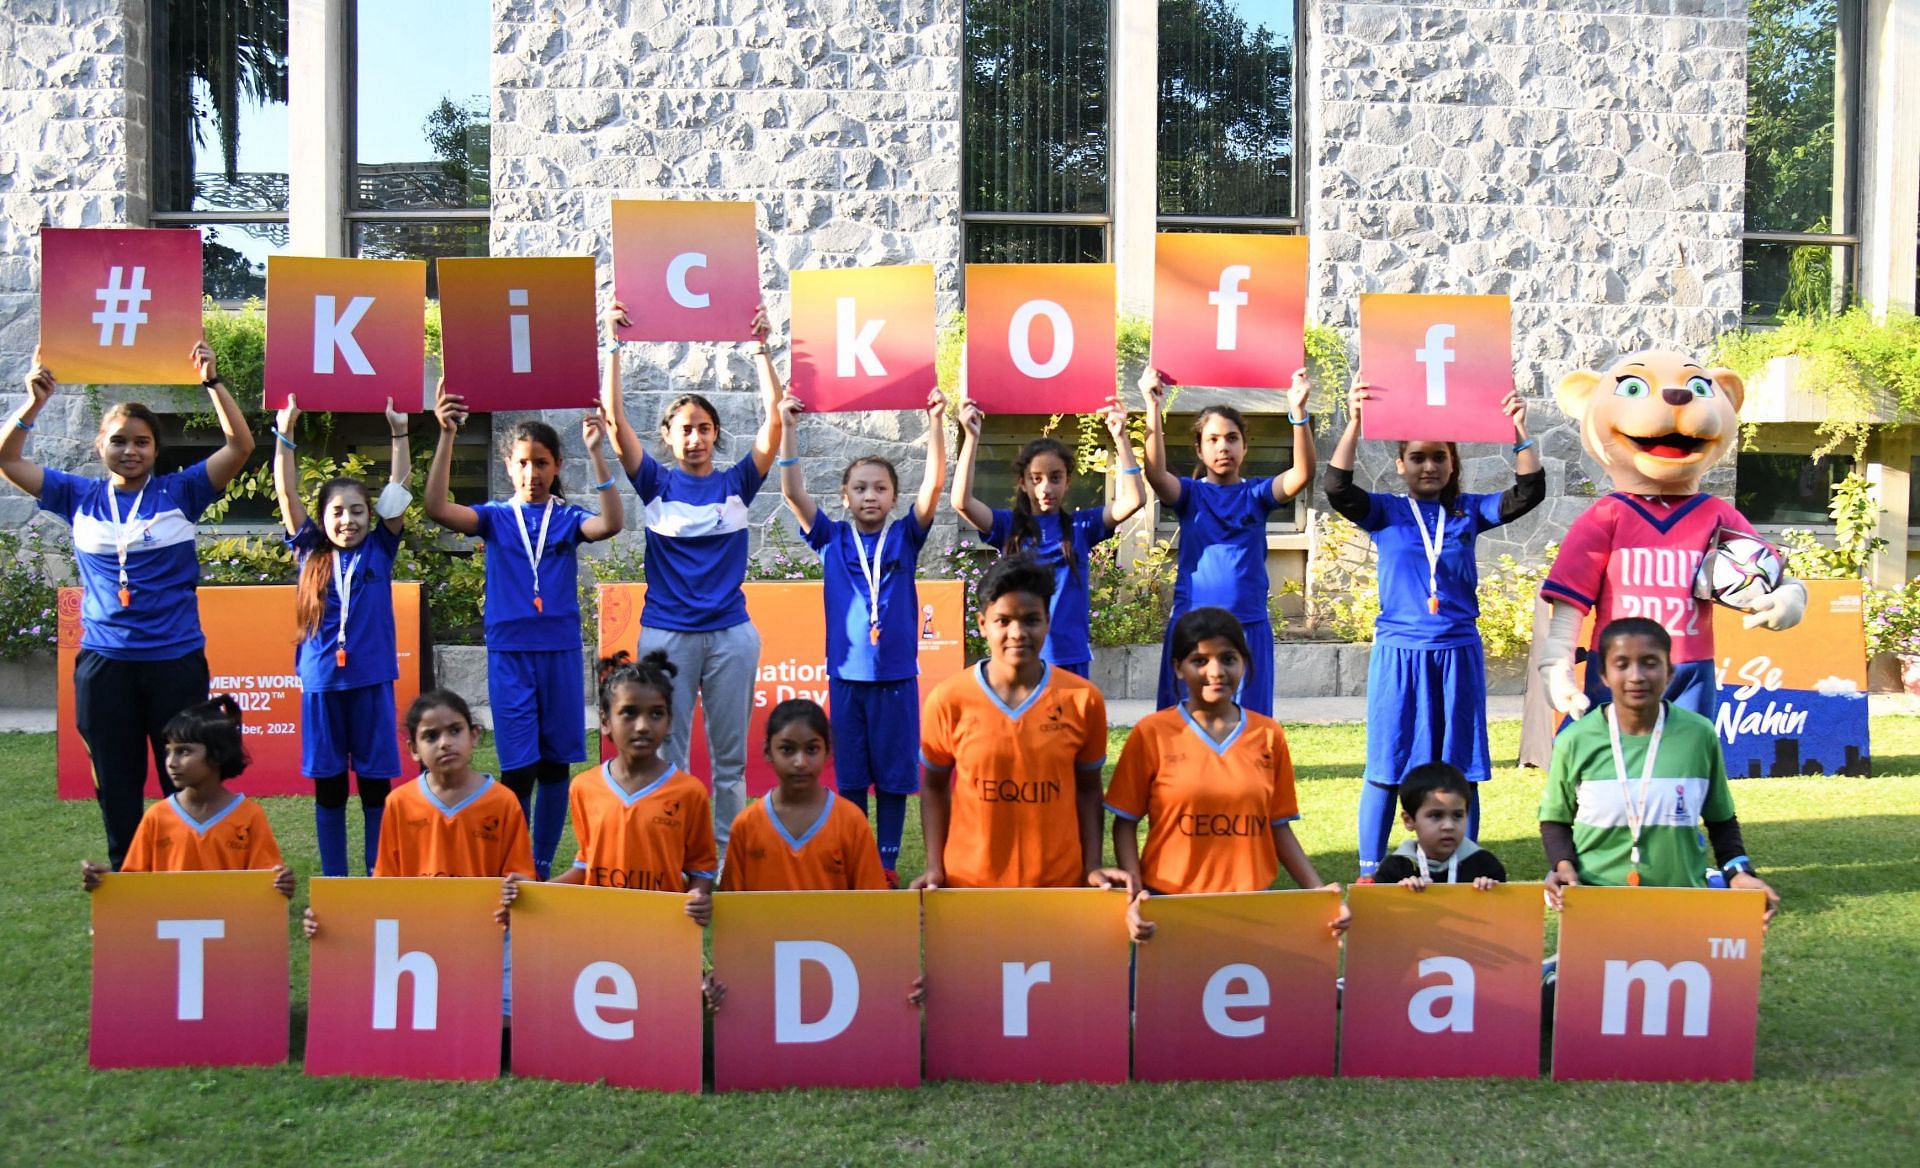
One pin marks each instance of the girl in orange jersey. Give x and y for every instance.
(800, 836)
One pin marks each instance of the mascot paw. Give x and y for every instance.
(1780, 609)
(1563, 691)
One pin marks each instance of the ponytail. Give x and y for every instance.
(653, 672)
(316, 575)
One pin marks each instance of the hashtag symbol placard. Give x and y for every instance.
(121, 305)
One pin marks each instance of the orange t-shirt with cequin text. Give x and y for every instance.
(836, 854)
(236, 838)
(484, 834)
(653, 839)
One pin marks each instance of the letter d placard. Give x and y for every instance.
(345, 334)
(1439, 366)
(863, 338)
(686, 270)
(1040, 337)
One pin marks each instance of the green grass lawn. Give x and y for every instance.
(1839, 1048)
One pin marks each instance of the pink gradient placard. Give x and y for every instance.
(687, 271)
(817, 986)
(120, 305)
(1040, 337)
(345, 334)
(1229, 310)
(406, 978)
(863, 338)
(1438, 365)
(1239, 986)
(189, 969)
(518, 334)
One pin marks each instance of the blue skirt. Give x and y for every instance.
(1426, 705)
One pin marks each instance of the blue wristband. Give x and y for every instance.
(603, 486)
(23, 425)
(1522, 446)
(1132, 469)
(284, 440)
(1299, 421)
(786, 461)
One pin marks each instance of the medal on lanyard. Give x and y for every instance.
(535, 552)
(1637, 808)
(870, 572)
(1433, 545)
(122, 538)
(343, 584)
(1453, 865)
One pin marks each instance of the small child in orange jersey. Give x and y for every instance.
(800, 836)
(204, 827)
(641, 821)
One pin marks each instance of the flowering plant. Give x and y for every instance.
(1893, 619)
(29, 594)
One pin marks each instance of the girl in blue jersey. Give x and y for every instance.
(873, 619)
(142, 657)
(1427, 679)
(1223, 528)
(535, 672)
(1041, 522)
(696, 519)
(347, 658)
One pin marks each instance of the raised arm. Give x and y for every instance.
(1529, 487)
(286, 468)
(224, 464)
(1166, 485)
(400, 472)
(1347, 500)
(613, 402)
(450, 410)
(613, 514)
(1129, 494)
(771, 391)
(978, 515)
(935, 482)
(1300, 473)
(793, 485)
(15, 466)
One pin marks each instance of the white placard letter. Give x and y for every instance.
(388, 964)
(589, 999)
(843, 997)
(1424, 1008)
(1656, 981)
(1016, 982)
(520, 332)
(1436, 357)
(852, 343)
(1020, 339)
(677, 270)
(332, 332)
(190, 1003)
(1219, 997)
(1228, 298)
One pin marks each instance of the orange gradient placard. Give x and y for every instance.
(817, 986)
(606, 986)
(863, 338)
(1027, 985)
(1826, 648)
(1439, 366)
(1240, 986)
(1229, 310)
(1442, 983)
(793, 653)
(189, 969)
(518, 334)
(248, 658)
(687, 271)
(1658, 984)
(120, 305)
(345, 334)
(406, 979)
(1040, 337)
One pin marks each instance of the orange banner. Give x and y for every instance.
(189, 969)
(1658, 984)
(520, 334)
(1040, 337)
(120, 305)
(1238, 986)
(793, 653)
(863, 338)
(251, 660)
(406, 979)
(581, 958)
(1438, 365)
(687, 271)
(1229, 310)
(817, 986)
(1442, 983)
(345, 334)
(1026, 985)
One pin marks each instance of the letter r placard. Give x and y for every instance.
(863, 338)
(1040, 337)
(1438, 365)
(189, 969)
(686, 270)
(345, 334)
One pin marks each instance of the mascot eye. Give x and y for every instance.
(1700, 386)
(1633, 387)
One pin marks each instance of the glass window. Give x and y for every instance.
(1226, 108)
(1806, 279)
(1035, 243)
(1269, 452)
(234, 257)
(1783, 489)
(420, 239)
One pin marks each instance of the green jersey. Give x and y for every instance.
(1688, 786)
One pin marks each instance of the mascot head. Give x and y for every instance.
(1655, 421)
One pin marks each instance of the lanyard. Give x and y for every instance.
(343, 584)
(1433, 544)
(123, 537)
(534, 553)
(1453, 865)
(1636, 808)
(871, 573)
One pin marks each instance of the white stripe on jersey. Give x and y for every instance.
(677, 520)
(1671, 802)
(94, 533)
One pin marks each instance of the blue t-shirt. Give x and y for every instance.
(851, 654)
(163, 566)
(696, 544)
(1069, 631)
(1223, 548)
(371, 655)
(511, 619)
(1404, 619)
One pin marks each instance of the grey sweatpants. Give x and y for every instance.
(717, 669)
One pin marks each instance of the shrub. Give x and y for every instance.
(29, 594)
(1892, 619)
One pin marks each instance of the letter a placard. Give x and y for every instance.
(1442, 983)
(686, 270)
(817, 986)
(863, 338)
(189, 969)
(1040, 337)
(518, 334)
(1239, 986)
(1229, 310)
(1658, 984)
(345, 334)
(405, 978)
(120, 305)
(1439, 366)
(606, 986)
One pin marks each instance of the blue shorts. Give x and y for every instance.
(1077, 668)
(349, 729)
(876, 735)
(1426, 705)
(1694, 687)
(539, 701)
(1256, 688)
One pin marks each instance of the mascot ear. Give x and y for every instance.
(1730, 384)
(1574, 390)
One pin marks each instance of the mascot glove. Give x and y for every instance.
(1780, 609)
(1562, 690)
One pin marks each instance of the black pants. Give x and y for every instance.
(120, 708)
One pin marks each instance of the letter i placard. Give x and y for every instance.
(687, 270)
(1438, 365)
(406, 978)
(1658, 984)
(519, 334)
(345, 334)
(189, 969)
(863, 338)
(120, 305)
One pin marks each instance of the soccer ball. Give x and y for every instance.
(1737, 570)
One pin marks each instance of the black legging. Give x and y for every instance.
(120, 708)
(331, 792)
